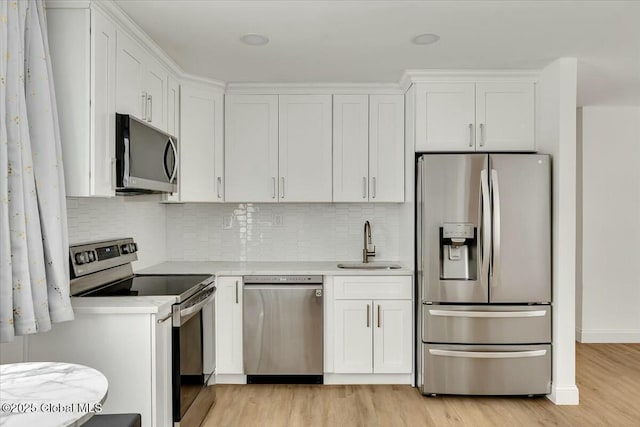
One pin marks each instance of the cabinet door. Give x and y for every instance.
(200, 145)
(353, 337)
(445, 117)
(505, 117)
(350, 148)
(173, 106)
(163, 381)
(386, 148)
(229, 325)
(305, 148)
(130, 95)
(155, 85)
(392, 335)
(103, 86)
(251, 148)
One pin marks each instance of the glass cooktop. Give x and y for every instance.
(152, 285)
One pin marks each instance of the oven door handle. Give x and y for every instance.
(194, 308)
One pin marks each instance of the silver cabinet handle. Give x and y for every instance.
(144, 106)
(368, 315)
(364, 187)
(379, 316)
(282, 183)
(495, 199)
(175, 160)
(481, 134)
(113, 172)
(488, 354)
(164, 319)
(485, 224)
(150, 101)
(236, 292)
(273, 181)
(373, 187)
(219, 184)
(490, 314)
(470, 134)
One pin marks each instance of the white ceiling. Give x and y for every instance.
(369, 41)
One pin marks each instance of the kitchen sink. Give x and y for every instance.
(369, 266)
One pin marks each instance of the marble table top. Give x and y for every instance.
(49, 394)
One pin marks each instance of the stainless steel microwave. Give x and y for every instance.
(146, 158)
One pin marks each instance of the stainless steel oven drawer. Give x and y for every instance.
(486, 370)
(478, 324)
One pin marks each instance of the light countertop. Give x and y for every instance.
(160, 305)
(231, 268)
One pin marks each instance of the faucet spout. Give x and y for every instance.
(366, 253)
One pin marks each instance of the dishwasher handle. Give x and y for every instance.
(282, 287)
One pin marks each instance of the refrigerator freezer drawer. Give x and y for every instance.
(478, 324)
(486, 370)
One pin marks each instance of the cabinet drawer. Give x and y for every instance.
(486, 370)
(486, 325)
(372, 287)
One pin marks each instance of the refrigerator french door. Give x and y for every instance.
(484, 274)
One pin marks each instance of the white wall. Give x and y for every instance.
(610, 290)
(280, 232)
(140, 217)
(556, 135)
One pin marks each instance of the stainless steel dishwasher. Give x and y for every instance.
(283, 324)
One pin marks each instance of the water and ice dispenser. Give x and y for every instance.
(458, 251)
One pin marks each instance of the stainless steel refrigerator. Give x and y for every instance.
(484, 274)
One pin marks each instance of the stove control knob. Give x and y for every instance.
(125, 249)
(91, 256)
(80, 258)
(134, 247)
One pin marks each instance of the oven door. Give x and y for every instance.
(192, 344)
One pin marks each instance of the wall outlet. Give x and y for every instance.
(227, 222)
(278, 220)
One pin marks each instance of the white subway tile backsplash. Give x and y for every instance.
(287, 232)
(140, 217)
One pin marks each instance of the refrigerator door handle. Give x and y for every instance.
(495, 258)
(489, 314)
(488, 354)
(485, 224)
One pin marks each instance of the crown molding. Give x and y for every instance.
(314, 88)
(203, 81)
(410, 77)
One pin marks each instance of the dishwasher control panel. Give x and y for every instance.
(312, 279)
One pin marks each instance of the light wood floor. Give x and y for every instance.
(608, 376)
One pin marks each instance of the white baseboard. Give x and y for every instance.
(564, 395)
(231, 379)
(368, 379)
(608, 335)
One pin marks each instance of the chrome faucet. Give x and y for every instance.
(366, 253)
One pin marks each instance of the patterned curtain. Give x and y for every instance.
(34, 247)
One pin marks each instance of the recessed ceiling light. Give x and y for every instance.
(254, 39)
(427, 38)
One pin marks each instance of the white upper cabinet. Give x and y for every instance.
(130, 95)
(173, 106)
(251, 148)
(505, 117)
(350, 148)
(156, 85)
(445, 117)
(141, 84)
(492, 116)
(368, 148)
(200, 145)
(85, 80)
(304, 155)
(386, 148)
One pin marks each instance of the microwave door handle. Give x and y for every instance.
(164, 160)
(175, 160)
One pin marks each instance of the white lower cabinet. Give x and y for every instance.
(229, 359)
(133, 350)
(371, 336)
